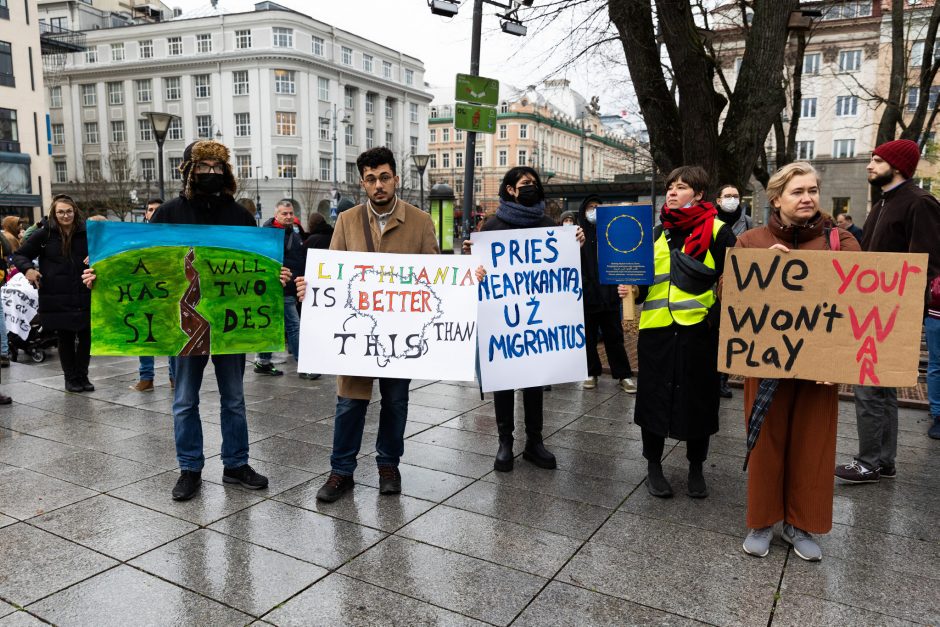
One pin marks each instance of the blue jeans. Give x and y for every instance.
(145, 370)
(291, 330)
(932, 327)
(351, 418)
(172, 362)
(229, 372)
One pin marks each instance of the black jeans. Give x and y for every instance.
(74, 352)
(611, 328)
(504, 404)
(696, 451)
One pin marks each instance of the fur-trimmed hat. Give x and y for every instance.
(206, 149)
(901, 154)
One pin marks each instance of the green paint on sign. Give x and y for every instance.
(477, 89)
(475, 118)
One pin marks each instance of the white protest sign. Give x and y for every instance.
(386, 315)
(531, 330)
(20, 303)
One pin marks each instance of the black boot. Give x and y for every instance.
(723, 390)
(656, 482)
(504, 458)
(73, 384)
(536, 453)
(697, 488)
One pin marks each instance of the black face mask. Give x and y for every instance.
(528, 196)
(209, 183)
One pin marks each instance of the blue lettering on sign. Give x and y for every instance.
(535, 341)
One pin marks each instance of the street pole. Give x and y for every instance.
(160, 159)
(422, 193)
(335, 179)
(581, 158)
(470, 154)
(258, 194)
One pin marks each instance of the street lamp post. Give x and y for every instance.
(258, 194)
(421, 162)
(345, 120)
(160, 123)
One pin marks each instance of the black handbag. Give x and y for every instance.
(689, 274)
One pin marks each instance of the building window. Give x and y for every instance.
(850, 60)
(89, 96)
(144, 89)
(116, 93)
(323, 88)
(386, 69)
(61, 172)
(145, 49)
(389, 109)
(349, 96)
(503, 158)
(91, 132)
(445, 159)
(913, 95)
(350, 135)
(413, 144)
(243, 39)
(917, 53)
(445, 135)
(201, 86)
(204, 126)
(370, 104)
(458, 135)
(243, 166)
(840, 204)
(55, 97)
(503, 131)
(458, 159)
(283, 37)
(413, 112)
(317, 46)
(148, 169)
(323, 124)
(367, 63)
(389, 139)
(203, 43)
(370, 138)
(173, 168)
(285, 123)
(432, 136)
(144, 131)
(58, 134)
(284, 82)
(848, 10)
(92, 170)
(504, 107)
(843, 148)
(523, 158)
(523, 131)
(478, 159)
(806, 150)
(846, 106)
(117, 52)
(240, 82)
(477, 186)
(432, 162)
(811, 63)
(172, 87)
(174, 46)
(175, 131)
(347, 56)
(352, 173)
(808, 108)
(242, 124)
(409, 77)
(287, 166)
(91, 55)
(118, 131)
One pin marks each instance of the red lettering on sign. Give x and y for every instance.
(873, 317)
(868, 370)
(868, 348)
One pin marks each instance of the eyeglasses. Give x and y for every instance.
(731, 196)
(385, 179)
(202, 168)
(64, 212)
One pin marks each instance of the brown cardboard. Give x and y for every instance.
(868, 310)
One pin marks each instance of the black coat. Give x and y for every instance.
(220, 210)
(295, 255)
(597, 297)
(320, 237)
(64, 301)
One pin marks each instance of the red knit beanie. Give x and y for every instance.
(901, 154)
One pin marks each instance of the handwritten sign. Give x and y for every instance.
(387, 315)
(625, 244)
(823, 316)
(173, 289)
(531, 316)
(20, 304)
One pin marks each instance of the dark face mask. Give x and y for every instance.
(209, 183)
(528, 196)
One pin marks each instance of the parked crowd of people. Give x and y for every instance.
(678, 386)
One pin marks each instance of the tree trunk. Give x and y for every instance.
(928, 71)
(892, 113)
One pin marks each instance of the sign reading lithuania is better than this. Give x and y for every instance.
(841, 317)
(389, 315)
(174, 289)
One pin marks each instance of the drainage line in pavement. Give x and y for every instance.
(783, 571)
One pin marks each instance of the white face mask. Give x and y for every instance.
(591, 215)
(730, 205)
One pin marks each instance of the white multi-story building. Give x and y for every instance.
(296, 101)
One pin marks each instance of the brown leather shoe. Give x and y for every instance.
(143, 386)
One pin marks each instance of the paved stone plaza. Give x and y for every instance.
(90, 536)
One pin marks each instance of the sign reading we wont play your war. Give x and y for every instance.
(841, 317)
(174, 289)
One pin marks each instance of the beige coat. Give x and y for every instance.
(409, 231)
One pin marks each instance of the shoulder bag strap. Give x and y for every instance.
(366, 230)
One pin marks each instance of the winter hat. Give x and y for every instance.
(901, 154)
(206, 150)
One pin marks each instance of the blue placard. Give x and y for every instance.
(625, 244)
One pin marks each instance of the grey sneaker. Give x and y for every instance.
(757, 542)
(627, 385)
(589, 384)
(803, 543)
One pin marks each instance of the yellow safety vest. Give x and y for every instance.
(665, 303)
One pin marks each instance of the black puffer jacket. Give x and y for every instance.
(597, 297)
(64, 302)
(320, 237)
(295, 255)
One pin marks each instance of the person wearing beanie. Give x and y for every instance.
(905, 220)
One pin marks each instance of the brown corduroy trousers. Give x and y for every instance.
(790, 474)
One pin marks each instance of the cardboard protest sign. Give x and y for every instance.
(531, 314)
(174, 289)
(625, 244)
(20, 304)
(823, 316)
(387, 315)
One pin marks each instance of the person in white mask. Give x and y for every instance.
(731, 211)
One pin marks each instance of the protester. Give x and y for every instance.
(61, 248)
(294, 259)
(677, 348)
(569, 217)
(788, 469)
(844, 221)
(932, 331)
(319, 233)
(6, 260)
(208, 199)
(12, 227)
(601, 309)
(905, 220)
(385, 224)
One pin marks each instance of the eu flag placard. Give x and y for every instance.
(625, 244)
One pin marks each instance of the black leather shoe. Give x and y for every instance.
(187, 486)
(74, 385)
(536, 453)
(5, 400)
(504, 458)
(723, 390)
(656, 482)
(87, 386)
(335, 487)
(245, 476)
(389, 480)
(697, 487)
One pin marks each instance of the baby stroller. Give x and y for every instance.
(35, 344)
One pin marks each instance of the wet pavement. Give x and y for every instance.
(90, 536)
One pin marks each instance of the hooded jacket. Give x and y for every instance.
(295, 256)
(319, 237)
(597, 297)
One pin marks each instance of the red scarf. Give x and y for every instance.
(698, 220)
